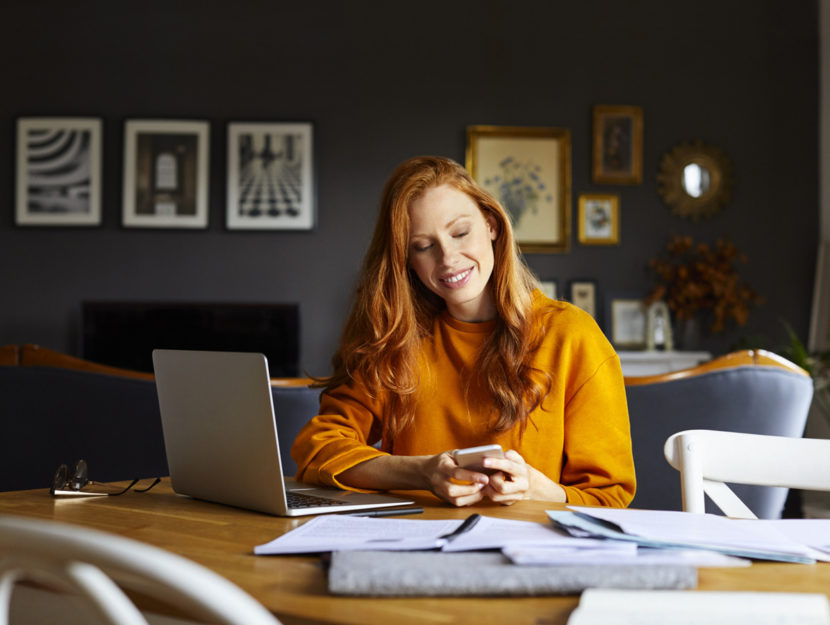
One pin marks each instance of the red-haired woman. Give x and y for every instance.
(450, 344)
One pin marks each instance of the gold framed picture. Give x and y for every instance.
(599, 219)
(618, 145)
(528, 169)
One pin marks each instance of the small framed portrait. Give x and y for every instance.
(270, 176)
(165, 174)
(599, 219)
(618, 145)
(58, 171)
(549, 288)
(628, 323)
(529, 171)
(583, 293)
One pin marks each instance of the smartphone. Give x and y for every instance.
(471, 457)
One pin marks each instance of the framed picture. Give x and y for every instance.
(549, 288)
(583, 293)
(618, 144)
(529, 171)
(599, 219)
(628, 323)
(270, 176)
(58, 171)
(165, 174)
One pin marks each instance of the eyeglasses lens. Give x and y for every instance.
(81, 476)
(59, 479)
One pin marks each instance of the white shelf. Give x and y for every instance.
(654, 362)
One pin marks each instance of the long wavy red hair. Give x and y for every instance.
(393, 311)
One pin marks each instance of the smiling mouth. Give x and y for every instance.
(459, 277)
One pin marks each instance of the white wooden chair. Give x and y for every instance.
(707, 459)
(76, 562)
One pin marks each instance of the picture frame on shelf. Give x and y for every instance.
(628, 320)
(549, 288)
(583, 294)
(599, 219)
(270, 176)
(618, 144)
(58, 180)
(165, 174)
(528, 169)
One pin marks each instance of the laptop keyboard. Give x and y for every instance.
(302, 500)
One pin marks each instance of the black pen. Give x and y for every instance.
(386, 512)
(466, 526)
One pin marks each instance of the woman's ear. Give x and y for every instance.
(492, 227)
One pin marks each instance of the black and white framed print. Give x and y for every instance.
(165, 174)
(58, 171)
(270, 176)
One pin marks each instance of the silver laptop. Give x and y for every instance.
(220, 435)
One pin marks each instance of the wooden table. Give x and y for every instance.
(294, 587)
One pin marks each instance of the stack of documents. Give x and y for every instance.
(351, 533)
(522, 542)
(581, 548)
(789, 540)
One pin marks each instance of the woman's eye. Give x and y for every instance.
(422, 247)
(461, 234)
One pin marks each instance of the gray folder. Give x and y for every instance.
(396, 574)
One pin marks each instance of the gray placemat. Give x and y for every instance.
(383, 573)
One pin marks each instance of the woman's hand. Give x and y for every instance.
(515, 480)
(460, 487)
(438, 473)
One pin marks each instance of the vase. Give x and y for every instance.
(687, 334)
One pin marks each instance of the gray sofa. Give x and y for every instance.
(51, 416)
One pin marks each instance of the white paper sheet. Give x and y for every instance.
(334, 532)
(629, 555)
(669, 607)
(493, 533)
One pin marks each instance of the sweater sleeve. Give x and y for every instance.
(338, 438)
(598, 464)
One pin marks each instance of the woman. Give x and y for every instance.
(449, 344)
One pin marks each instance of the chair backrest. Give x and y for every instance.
(707, 459)
(56, 409)
(97, 566)
(747, 391)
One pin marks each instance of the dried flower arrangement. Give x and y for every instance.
(699, 279)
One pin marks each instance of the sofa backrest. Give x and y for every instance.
(51, 416)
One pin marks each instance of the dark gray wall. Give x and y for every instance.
(385, 81)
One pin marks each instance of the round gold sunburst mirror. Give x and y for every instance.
(695, 179)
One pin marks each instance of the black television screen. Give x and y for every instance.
(124, 334)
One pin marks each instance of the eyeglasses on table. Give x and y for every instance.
(78, 484)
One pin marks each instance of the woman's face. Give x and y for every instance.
(451, 251)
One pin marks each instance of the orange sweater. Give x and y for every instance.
(579, 437)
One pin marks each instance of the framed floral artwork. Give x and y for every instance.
(58, 171)
(618, 145)
(270, 176)
(165, 174)
(599, 219)
(528, 169)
